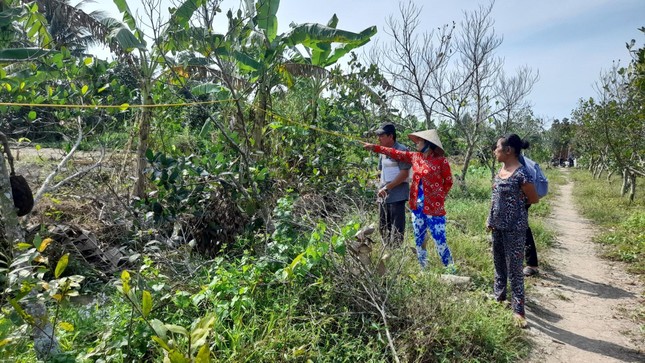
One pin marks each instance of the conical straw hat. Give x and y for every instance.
(429, 135)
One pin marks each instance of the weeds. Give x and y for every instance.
(293, 296)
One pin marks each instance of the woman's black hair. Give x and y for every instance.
(428, 145)
(515, 142)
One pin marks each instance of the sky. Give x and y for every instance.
(569, 42)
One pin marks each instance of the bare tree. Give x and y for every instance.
(476, 45)
(477, 95)
(413, 58)
(511, 95)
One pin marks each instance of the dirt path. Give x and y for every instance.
(578, 309)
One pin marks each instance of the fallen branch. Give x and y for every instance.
(45, 187)
(636, 171)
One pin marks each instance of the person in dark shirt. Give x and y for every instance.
(513, 189)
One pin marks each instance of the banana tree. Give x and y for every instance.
(314, 54)
(251, 58)
(261, 57)
(147, 65)
(267, 64)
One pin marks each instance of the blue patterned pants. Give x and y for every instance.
(508, 255)
(437, 226)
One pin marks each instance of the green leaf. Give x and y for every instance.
(21, 312)
(61, 265)
(206, 88)
(21, 54)
(38, 147)
(23, 246)
(204, 355)
(245, 62)
(296, 261)
(319, 57)
(161, 343)
(128, 16)
(88, 61)
(206, 322)
(146, 303)
(123, 36)
(124, 106)
(177, 329)
(266, 18)
(206, 128)
(176, 357)
(84, 89)
(198, 337)
(318, 37)
(184, 12)
(32, 32)
(160, 329)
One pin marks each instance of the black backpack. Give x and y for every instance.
(23, 198)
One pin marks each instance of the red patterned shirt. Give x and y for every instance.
(433, 172)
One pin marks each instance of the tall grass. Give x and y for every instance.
(622, 222)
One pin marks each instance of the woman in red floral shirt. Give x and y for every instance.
(431, 182)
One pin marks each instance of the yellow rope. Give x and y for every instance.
(122, 106)
(328, 132)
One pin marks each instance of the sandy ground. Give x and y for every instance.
(578, 310)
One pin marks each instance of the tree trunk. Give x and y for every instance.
(261, 116)
(45, 342)
(12, 232)
(625, 186)
(632, 189)
(144, 133)
(598, 171)
(469, 155)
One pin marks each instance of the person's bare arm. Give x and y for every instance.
(400, 178)
(530, 192)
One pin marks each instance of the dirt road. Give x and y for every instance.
(578, 310)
